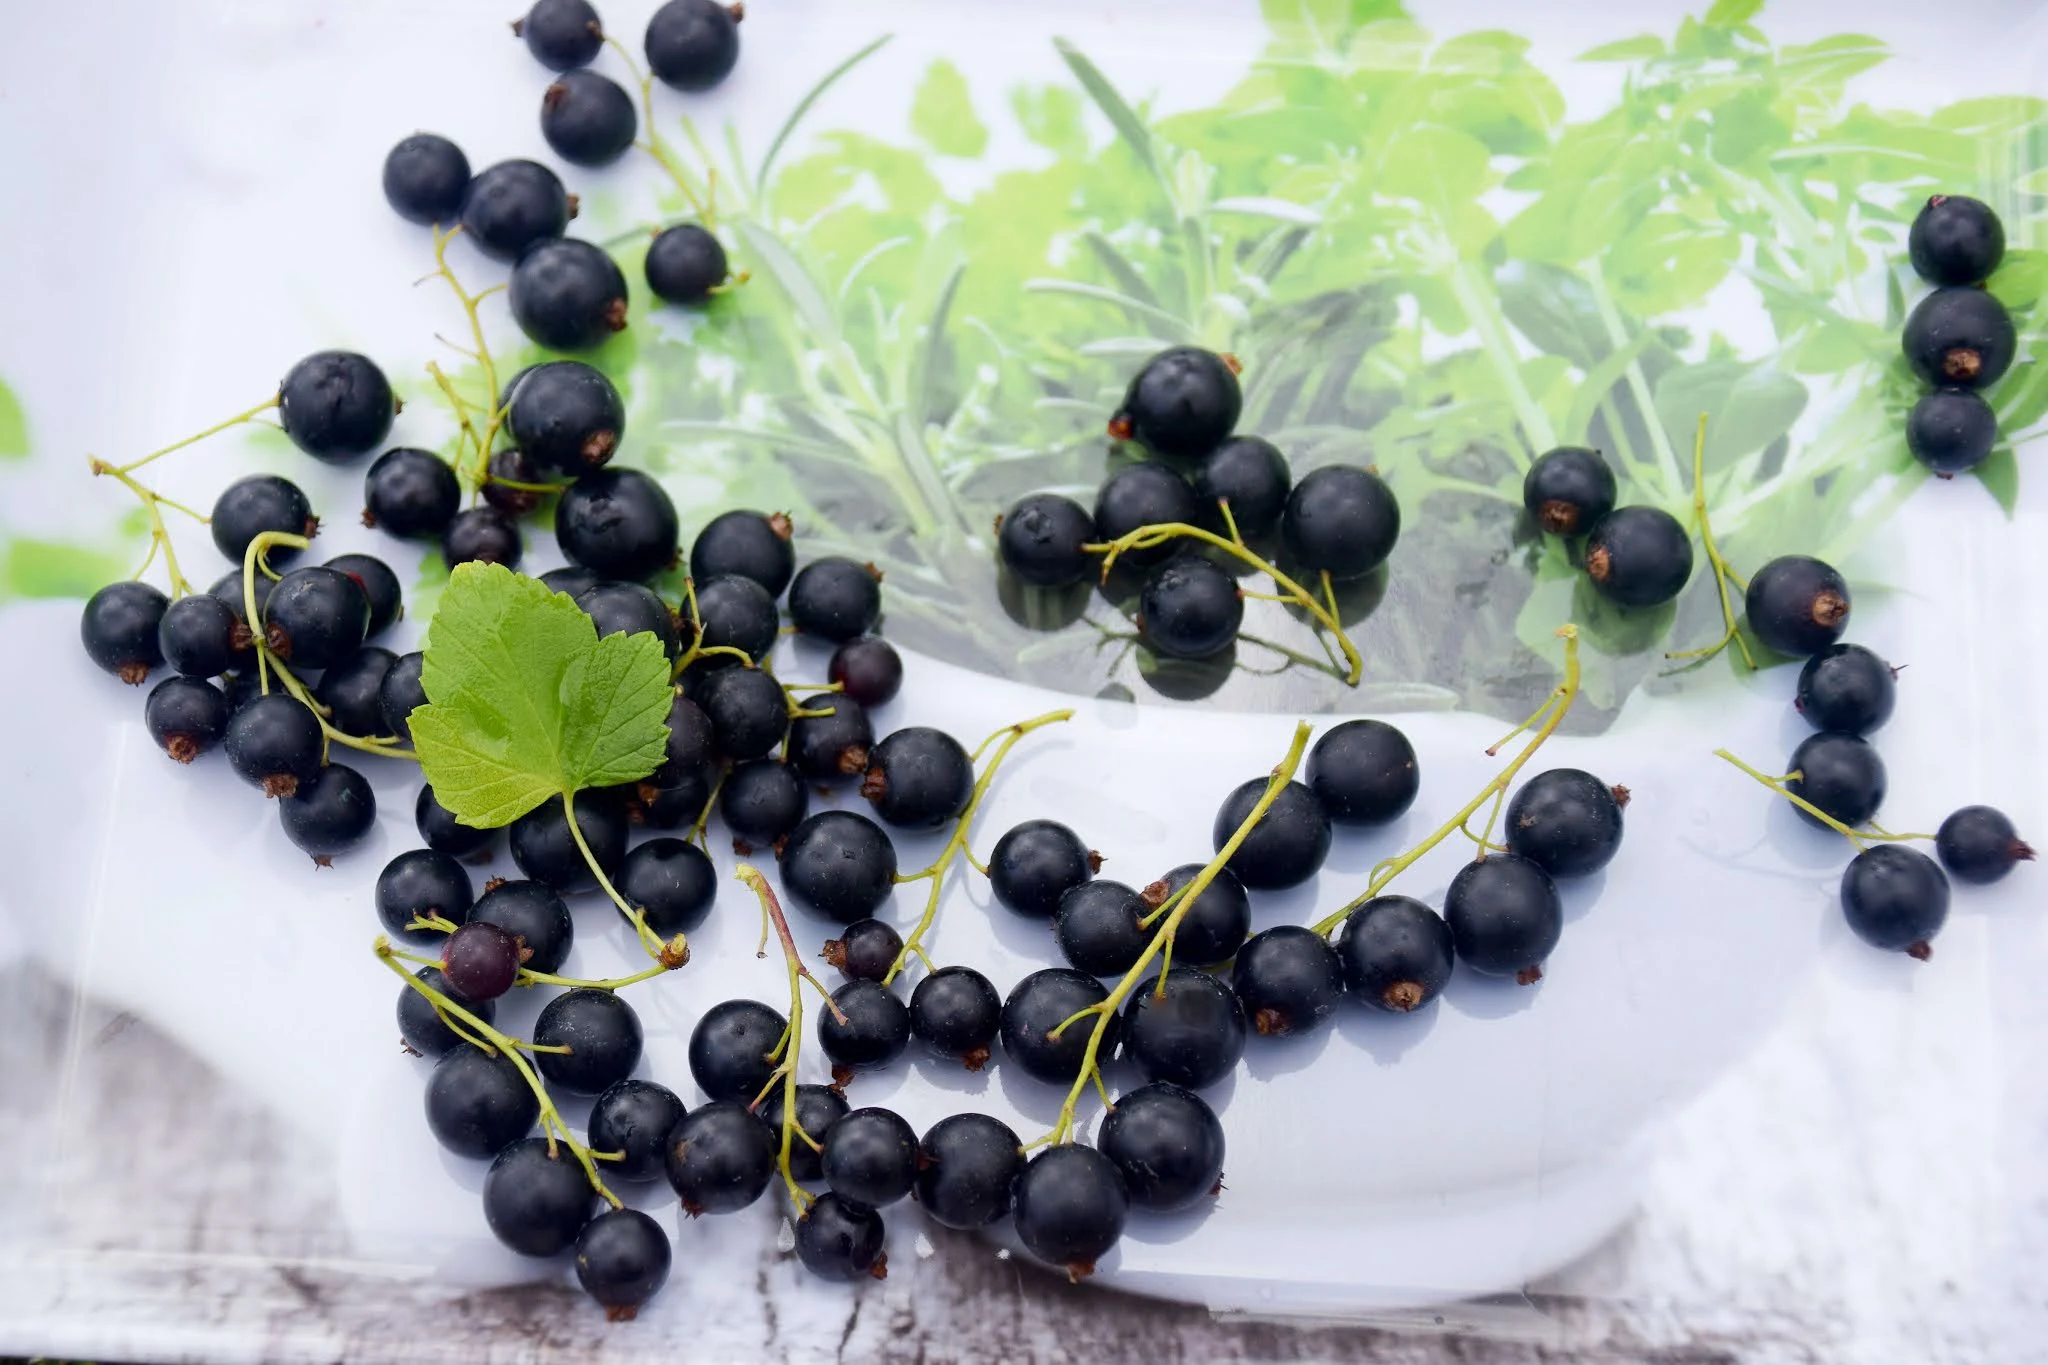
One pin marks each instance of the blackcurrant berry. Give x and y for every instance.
(957, 1013)
(535, 915)
(919, 778)
(1840, 775)
(1505, 916)
(561, 34)
(745, 544)
(1797, 605)
(602, 1033)
(481, 535)
(420, 1024)
(749, 713)
(1979, 844)
(831, 742)
(838, 1239)
(478, 1103)
(275, 742)
(537, 1198)
(693, 44)
(1895, 898)
(252, 505)
(510, 206)
(690, 742)
(1951, 430)
(1040, 540)
(424, 177)
(736, 613)
(1286, 847)
(352, 692)
(1070, 1206)
(818, 1107)
(762, 801)
(186, 716)
(871, 1157)
(567, 294)
(729, 1049)
(720, 1158)
(1955, 240)
(411, 494)
(1036, 863)
(1215, 925)
(1363, 772)
(120, 629)
(202, 636)
(875, 1031)
(618, 522)
(1188, 1029)
(1167, 1144)
(684, 264)
(634, 1118)
(1568, 489)
(1183, 402)
(1960, 335)
(571, 580)
(336, 405)
(1566, 821)
(966, 1165)
(1396, 953)
(481, 961)
(1251, 474)
(671, 882)
(400, 694)
(588, 119)
(1289, 980)
(622, 1261)
(1846, 688)
(514, 484)
(380, 586)
(1341, 520)
(1189, 608)
(617, 608)
(546, 850)
(1638, 556)
(1097, 928)
(676, 805)
(836, 599)
(316, 617)
(1147, 494)
(868, 670)
(566, 417)
(864, 951)
(422, 883)
(840, 865)
(1040, 1003)
(330, 813)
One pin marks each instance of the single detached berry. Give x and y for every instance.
(1167, 1144)
(919, 778)
(671, 882)
(481, 535)
(1040, 539)
(1895, 898)
(546, 850)
(1951, 430)
(479, 1103)
(1040, 1003)
(634, 1118)
(535, 915)
(1846, 688)
(1289, 980)
(630, 609)
(1342, 521)
(956, 1013)
(329, 814)
(275, 742)
(839, 864)
(748, 710)
(316, 617)
(830, 742)
(1286, 847)
(1566, 821)
(1961, 336)
(745, 544)
(411, 494)
(835, 599)
(510, 206)
(601, 1032)
(1840, 775)
(561, 34)
(1070, 1207)
(966, 1166)
(1148, 494)
(566, 417)
(1187, 1029)
(424, 178)
(692, 45)
(336, 405)
(1955, 240)
(420, 1025)
(1189, 608)
(1396, 952)
(537, 1198)
(871, 1157)
(868, 670)
(186, 716)
(720, 1158)
(1182, 403)
(1505, 916)
(481, 961)
(1036, 863)
(1979, 844)
(352, 692)
(1568, 489)
(622, 1261)
(203, 637)
(864, 951)
(1797, 605)
(839, 1239)
(1099, 928)
(588, 119)
(762, 801)
(1363, 772)
(252, 505)
(1638, 556)
(818, 1107)
(567, 294)
(1215, 926)
(729, 1049)
(685, 264)
(121, 628)
(1250, 474)
(423, 883)
(736, 613)
(401, 693)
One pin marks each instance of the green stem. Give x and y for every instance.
(1500, 350)
(1862, 839)
(671, 954)
(251, 415)
(792, 1036)
(1722, 573)
(159, 534)
(1638, 382)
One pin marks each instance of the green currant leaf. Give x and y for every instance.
(942, 113)
(525, 702)
(13, 424)
(2000, 475)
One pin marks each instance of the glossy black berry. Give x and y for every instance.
(546, 850)
(1396, 953)
(1638, 556)
(1568, 489)
(762, 801)
(1190, 1033)
(684, 264)
(566, 417)
(424, 179)
(1979, 844)
(1960, 336)
(634, 1117)
(671, 882)
(622, 1261)
(275, 742)
(673, 806)
(617, 608)
(871, 1157)
(736, 613)
(561, 34)
(1955, 240)
(515, 483)
(1097, 928)
(401, 693)
(120, 629)
(481, 535)
(1070, 1206)
(537, 1198)
(186, 716)
(868, 670)
(352, 692)
(602, 1033)
(1364, 772)
(1341, 520)
(254, 504)
(818, 1107)
(1167, 1144)
(228, 590)
(336, 405)
(478, 1103)
(918, 778)
(720, 1158)
(693, 44)
(510, 206)
(202, 637)
(481, 961)
(1566, 821)
(967, 1164)
(1148, 494)
(1036, 863)
(1181, 403)
(1846, 688)
(409, 493)
(1215, 925)
(1838, 774)
(619, 523)
(874, 1031)
(1040, 1003)
(420, 1025)
(831, 744)
(1505, 916)
(1189, 608)
(752, 545)
(839, 864)
(1040, 540)
(1895, 898)
(956, 1013)
(729, 1049)
(571, 580)
(380, 587)
(422, 883)
(566, 294)
(330, 813)
(1797, 605)
(1951, 430)
(1286, 847)
(1289, 980)
(316, 617)
(748, 711)
(865, 950)
(836, 599)
(838, 1239)
(1251, 474)
(690, 742)
(537, 918)
(588, 119)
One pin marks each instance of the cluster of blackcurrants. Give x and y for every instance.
(1182, 407)
(1959, 338)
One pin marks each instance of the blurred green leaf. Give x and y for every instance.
(803, 106)
(2020, 279)
(1640, 48)
(942, 113)
(1051, 117)
(2000, 475)
(1729, 13)
(1121, 116)
(13, 424)
(1554, 309)
(1747, 408)
(45, 568)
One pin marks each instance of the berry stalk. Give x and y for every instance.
(528, 977)
(671, 954)
(238, 419)
(480, 443)
(1723, 575)
(1862, 838)
(159, 534)
(653, 145)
